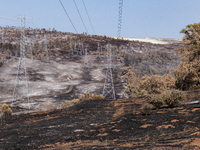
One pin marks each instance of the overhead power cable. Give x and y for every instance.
(80, 16)
(88, 16)
(9, 19)
(68, 16)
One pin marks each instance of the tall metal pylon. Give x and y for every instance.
(86, 58)
(45, 55)
(81, 49)
(101, 49)
(120, 18)
(108, 89)
(82, 46)
(2, 37)
(75, 46)
(22, 75)
(98, 54)
(29, 52)
(71, 52)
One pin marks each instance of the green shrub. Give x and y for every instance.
(6, 110)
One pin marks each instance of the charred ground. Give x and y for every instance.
(105, 124)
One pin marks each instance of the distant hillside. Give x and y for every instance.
(152, 40)
(142, 54)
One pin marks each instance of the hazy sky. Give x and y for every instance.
(141, 18)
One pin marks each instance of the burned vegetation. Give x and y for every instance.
(156, 85)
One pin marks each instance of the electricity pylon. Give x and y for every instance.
(22, 75)
(71, 52)
(29, 52)
(45, 55)
(2, 38)
(86, 58)
(108, 89)
(75, 46)
(98, 54)
(79, 50)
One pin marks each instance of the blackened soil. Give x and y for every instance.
(104, 124)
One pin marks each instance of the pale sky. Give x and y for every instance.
(141, 18)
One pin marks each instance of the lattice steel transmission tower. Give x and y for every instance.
(75, 47)
(22, 75)
(78, 48)
(86, 57)
(2, 37)
(30, 52)
(120, 18)
(98, 54)
(71, 52)
(108, 89)
(45, 55)
(81, 48)
(119, 23)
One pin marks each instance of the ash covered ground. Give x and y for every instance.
(65, 78)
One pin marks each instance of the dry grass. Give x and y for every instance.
(156, 84)
(66, 104)
(146, 108)
(169, 81)
(169, 97)
(133, 81)
(6, 110)
(156, 100)
(75, 101)
(187, 75)
(50, 106)
(152, 84)
(172, 97)
(87, 96)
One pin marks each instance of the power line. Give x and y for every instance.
(80, 16)
(8, 19)
(33, 23)
(88, 16)
(68, 16)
